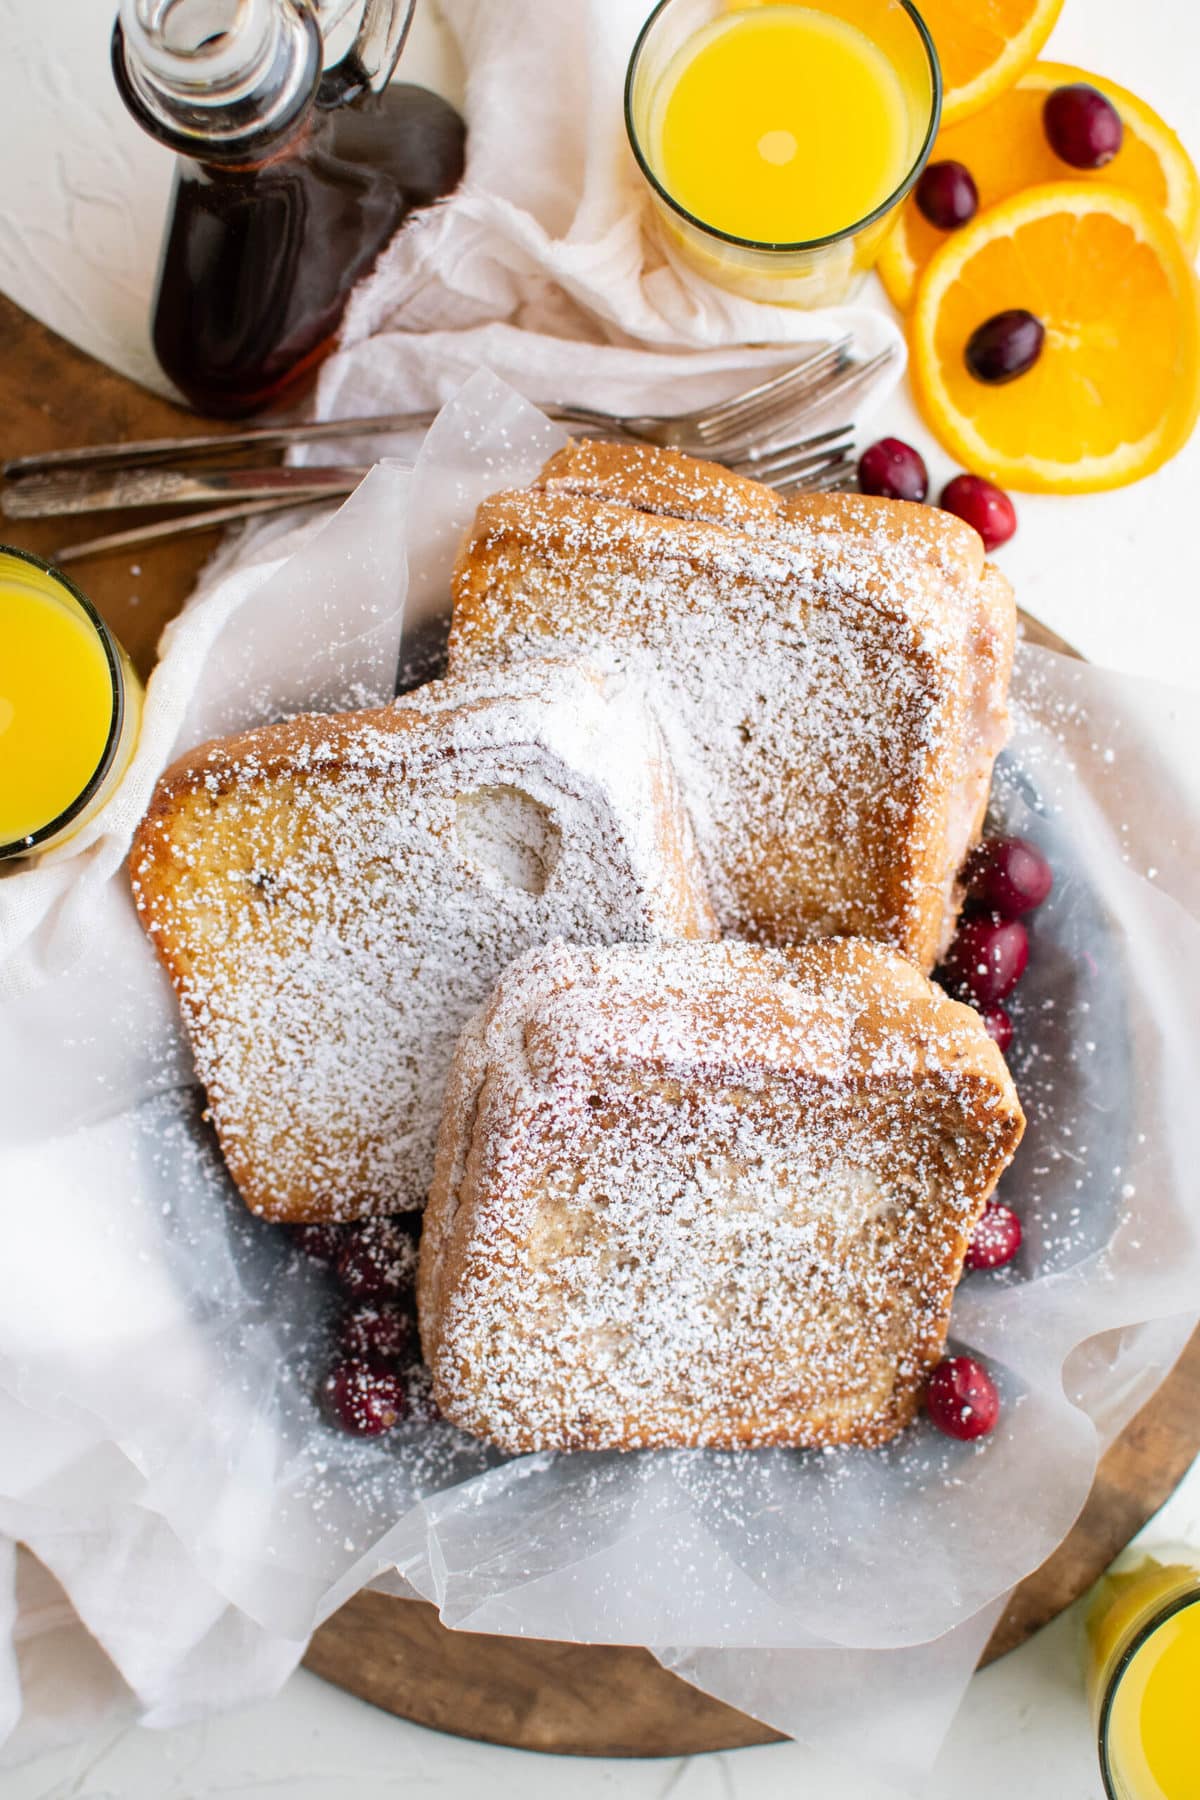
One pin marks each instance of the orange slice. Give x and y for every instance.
(1116, 389)
(1005, 149)
(983, 46)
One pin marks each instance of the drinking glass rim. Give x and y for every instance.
(728, 237)
(24, 846)
(1166, 1612)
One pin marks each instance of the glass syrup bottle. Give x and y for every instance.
(290, 180)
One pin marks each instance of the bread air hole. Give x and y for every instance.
(509, 836)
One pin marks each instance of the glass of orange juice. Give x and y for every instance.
(70, 707)
(1143, 1667)
(778, 139)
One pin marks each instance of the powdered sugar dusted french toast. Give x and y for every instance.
(831, 672)
(706, 1195)
(334, 896)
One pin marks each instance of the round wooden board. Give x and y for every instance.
(575, 1699)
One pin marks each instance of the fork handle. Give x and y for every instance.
(186, 525)
(54, 495)
(152, 452)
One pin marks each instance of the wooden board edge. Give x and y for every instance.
(524, 1693)
(534, 1694)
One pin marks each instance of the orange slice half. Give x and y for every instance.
(1116, 389)
(983, 46)
(1006, 149)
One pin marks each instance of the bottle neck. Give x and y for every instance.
(218, 80)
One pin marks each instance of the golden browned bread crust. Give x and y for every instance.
(831, 672)
(332, 898)
(706, 1195)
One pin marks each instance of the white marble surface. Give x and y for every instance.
(81, 202)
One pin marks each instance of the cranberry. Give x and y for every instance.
(982, 504)
(894, 469)
(986, 958)
(1082, 126)
(379, 1262)
(1005, 346)
(321, 1242)
(999, 1028)
(1008, 875)
(997, 1238)
(961, 1398)
(947, 195)
(362, 1398)
(376, 1333)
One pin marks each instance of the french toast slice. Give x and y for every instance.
(335, 895)
(831, 672)
(706, 1195)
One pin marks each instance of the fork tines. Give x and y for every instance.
(734, 421)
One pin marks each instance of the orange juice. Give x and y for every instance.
(63, 710)
(781, 124)
(1144, 1653)
(777, 139)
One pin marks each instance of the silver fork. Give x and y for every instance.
(711, 430)
(44, 496)
(809, 385)
(741, 432)
(703, 430)
(812, 465)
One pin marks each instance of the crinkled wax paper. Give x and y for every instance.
(159, 1444)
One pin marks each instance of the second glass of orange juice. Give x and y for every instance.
(778, 139)
(1143, 1673)
(70, 707)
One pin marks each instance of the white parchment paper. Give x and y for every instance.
(160, 1449)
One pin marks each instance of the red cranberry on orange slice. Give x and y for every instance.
(946, 194)
(1005, 346)
(1082, 125)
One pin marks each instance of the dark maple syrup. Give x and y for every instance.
(258, 262)
(290, 180)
